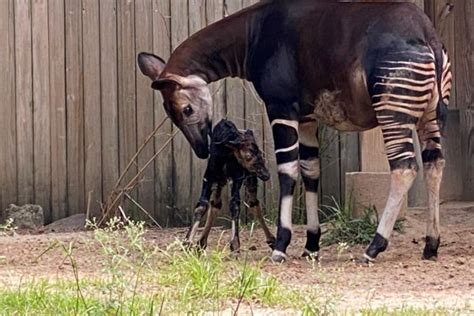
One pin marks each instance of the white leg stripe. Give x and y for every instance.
(289, 123)
(312, 211)
(285, 150)
(310, 168)
(289, 168)
(286, 209)
(233, 229)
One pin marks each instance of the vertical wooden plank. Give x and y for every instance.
(215, 12)
(197, 20)
(164, 164)
(145, 117)
(349, 153)
(126, 85)
(467, 126)
(92, 110)
(464, 57)
(372, 155)
(330, 166)
(234, 89)
(57, 90)
(109, 94)
(75, 107)
(8, 179)
(181, 148)
(24, 100)
(41, 106)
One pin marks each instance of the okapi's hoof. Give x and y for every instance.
(278, 256)
(311, 255)
(431, 249)
(365, 261)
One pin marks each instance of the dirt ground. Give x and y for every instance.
(399, 277)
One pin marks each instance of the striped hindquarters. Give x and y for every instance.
(404, 93)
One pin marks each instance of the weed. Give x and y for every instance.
(342, 227)
(8, 229)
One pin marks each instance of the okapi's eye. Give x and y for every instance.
(188, 110)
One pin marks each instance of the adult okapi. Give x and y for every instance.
(353, 66)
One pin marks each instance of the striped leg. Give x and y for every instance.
(216, 205)
(285, 135)
(433, 165)
(433, 160)
(251, 186)
(199, 211)
(235, 213)
(309, 165)
(402, 93)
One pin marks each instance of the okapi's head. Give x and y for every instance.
(187, 101)
(243, 146)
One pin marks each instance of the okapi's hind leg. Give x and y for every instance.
(199, 212)
(433, 165)
(404, 89)
(251, 185)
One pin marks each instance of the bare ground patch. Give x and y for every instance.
(399, 278)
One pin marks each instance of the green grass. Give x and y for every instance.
(342, 227)
(140, 279)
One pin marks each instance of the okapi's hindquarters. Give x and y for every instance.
(405, 96)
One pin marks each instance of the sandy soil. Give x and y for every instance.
(398, 278)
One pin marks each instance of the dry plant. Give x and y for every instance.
(112, 205)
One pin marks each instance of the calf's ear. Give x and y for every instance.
(150, 65)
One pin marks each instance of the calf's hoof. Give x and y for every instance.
(311, 255)
(235, 246)
(278, 256)
(431, 248)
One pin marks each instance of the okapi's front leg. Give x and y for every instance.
(235, 213)
(251, 186)
(200, 210)
(285, 136)
(310, 170)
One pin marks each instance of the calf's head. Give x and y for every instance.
(243, 146)
(187, 101)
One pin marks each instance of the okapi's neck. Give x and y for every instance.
(216, 52)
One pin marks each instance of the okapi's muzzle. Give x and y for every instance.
(198, 137)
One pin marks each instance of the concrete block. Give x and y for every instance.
(369, 189)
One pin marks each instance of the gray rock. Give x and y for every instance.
(28, 216)
(69, 224)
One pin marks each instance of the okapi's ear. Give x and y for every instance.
(151, 65)
(166, 84)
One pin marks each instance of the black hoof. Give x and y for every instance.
(278, 256)
(235, 246)
(311, 255)
(431, 249)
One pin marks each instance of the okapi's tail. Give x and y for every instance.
(445, 80)
(444, 88)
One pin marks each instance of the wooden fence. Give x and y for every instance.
(75, 108)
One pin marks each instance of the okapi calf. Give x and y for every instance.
(235, 156)
(352, 66)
